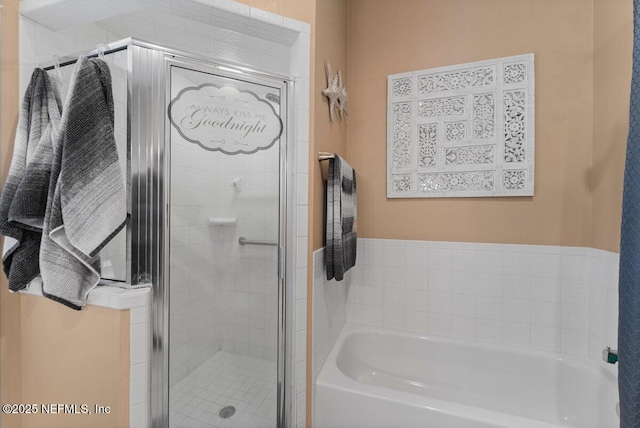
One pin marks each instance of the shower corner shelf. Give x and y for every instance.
(222, 221)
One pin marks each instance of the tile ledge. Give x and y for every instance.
(106, 295)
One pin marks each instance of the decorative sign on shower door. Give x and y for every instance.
(225, 119)
(462, 131)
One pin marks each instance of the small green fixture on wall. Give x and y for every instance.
(610, 355)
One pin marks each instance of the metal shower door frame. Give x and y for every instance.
(149, 132)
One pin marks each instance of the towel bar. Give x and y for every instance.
(325, 156)
(244, 241)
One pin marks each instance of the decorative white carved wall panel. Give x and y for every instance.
(462, 130)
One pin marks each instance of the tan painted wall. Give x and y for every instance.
(331, 44)
(613, 44)
(75, 357)
(387, 37)
(10, 339)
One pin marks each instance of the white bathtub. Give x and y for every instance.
(377, 377)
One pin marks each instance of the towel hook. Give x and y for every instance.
(56, 65)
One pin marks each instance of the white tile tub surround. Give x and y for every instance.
(329, 309)
(561, 299)
(221, 29)
(603, 302)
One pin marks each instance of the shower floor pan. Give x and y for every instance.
(204, 397)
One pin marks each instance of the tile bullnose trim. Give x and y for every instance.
(106, 296)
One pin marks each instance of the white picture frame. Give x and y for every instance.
(464, 130)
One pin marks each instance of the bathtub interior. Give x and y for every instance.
(538, 386)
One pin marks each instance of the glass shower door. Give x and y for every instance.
(224, 231)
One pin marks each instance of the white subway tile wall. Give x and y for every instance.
(329, 310)
(233, 33)
(139, 359)
(223, 295)
(561, 299)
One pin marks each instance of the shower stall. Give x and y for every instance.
(205, 149)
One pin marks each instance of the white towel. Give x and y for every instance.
(23, 201)
(87, 203)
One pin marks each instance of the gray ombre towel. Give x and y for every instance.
(23, 201)
(87, 199)
(340, 251)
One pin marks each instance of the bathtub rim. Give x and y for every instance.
(579, 361)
